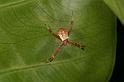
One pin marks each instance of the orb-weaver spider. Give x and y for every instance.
(63, 35)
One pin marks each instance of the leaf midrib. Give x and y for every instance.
(39, 65)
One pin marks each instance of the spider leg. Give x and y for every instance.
(70, 26)
(76, 44)
(54, 34)
(56, 52)
(71, 23)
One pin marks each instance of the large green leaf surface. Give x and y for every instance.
(118, 8)
(26, 44)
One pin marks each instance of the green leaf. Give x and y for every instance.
(26, 44)
(117, 7)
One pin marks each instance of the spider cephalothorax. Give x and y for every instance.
(63, 36)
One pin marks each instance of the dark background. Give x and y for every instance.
(118, 73)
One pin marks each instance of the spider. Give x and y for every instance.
(63, 36)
